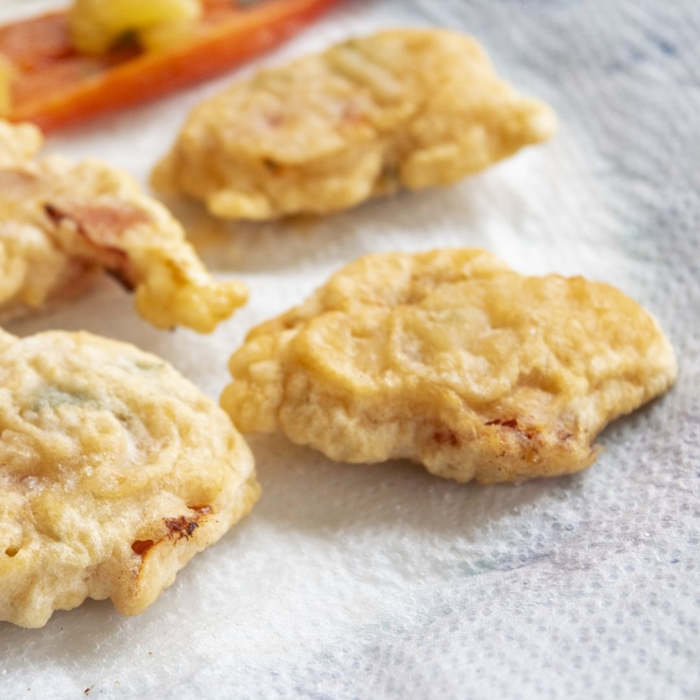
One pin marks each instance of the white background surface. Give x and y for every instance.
(382, 581)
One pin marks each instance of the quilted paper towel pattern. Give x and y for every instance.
(382, 582)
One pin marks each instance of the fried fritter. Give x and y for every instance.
(451, 359)
(60, 221)
(114, 472)
(406, 108)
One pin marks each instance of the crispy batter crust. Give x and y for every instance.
(406, 108)
(451, 359)
(114, 472)
(60, 221)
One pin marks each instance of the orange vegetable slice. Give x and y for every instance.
(55, 87)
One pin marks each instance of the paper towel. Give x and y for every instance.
(382, 581)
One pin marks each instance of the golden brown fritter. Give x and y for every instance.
(451, 359)
(60, 221)
(405, 108)
(114, 472)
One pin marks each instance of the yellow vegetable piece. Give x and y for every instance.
(95, 25)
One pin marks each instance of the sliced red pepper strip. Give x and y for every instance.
(56, 87)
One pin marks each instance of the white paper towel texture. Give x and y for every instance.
(382, 581)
